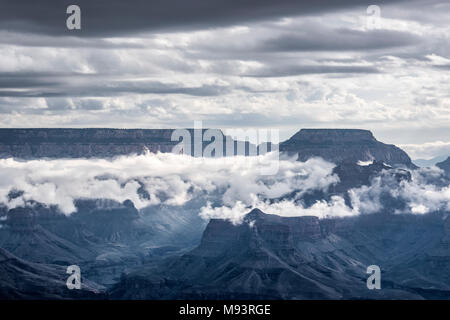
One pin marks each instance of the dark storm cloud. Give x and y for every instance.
(23, 81)
(80, 85)
(269, 43)
(116, 17)
(339, 40)
(288, 71)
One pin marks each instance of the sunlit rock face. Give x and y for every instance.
(338, 145)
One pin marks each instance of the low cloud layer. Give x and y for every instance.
(286, 208)
(152, 179)
(385, 194)
(228, 188)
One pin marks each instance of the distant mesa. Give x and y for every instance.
(335, 145)
(340, 145)
(82, 143)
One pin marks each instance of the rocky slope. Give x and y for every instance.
(105, 238)
(23, 234)
(21, 279)
(352, 175)
(412, 250)
(265, 257)
(270, 257)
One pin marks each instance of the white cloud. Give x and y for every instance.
(427, 191)
(285, 208)
(418, 195)
(168, 178)
(226, 187)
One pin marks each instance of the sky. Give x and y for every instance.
(231, 64)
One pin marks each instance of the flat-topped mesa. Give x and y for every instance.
(335, 145)
(334, 136)
(82, 143)
(260, 229)
(340, 145)
(301, 228)
(100, 142)
(104, 135)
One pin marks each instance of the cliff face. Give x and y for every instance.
(24, 235)
(101, 143)
(278, 233)
(445, 165)
(265, 257)
(352, 175)
(335, 145)
(118, 222)
(21, 279)
(338, 145)
(273, 257)
(82, 143)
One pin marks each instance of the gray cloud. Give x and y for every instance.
(24, 81)
(81, 85)
(339, 40)
(166, 63)
(69, 41)
(293, 70)
(168, 178)
(115, 17)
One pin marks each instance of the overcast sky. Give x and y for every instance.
(279, 64)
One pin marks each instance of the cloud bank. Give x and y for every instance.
(228, 188)
(153, 179)
(428, 191)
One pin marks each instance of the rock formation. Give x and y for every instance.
(334, 145)
(338, 145)
(445, 165)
